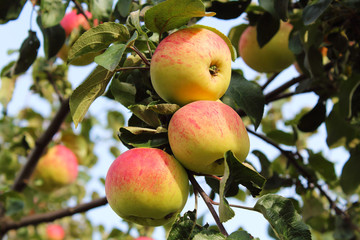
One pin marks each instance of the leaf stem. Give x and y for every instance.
(236, 206)
(130, 68)
(207, 201)
(141, 55)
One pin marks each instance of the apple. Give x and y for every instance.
(275, 56)
(146, 186)
(201, 132)
(143, 238)
(191, 64)
(72, 24)
(55, 232)
(56, 169)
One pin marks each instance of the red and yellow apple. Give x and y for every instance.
(56, 169)
(55, 232)
(191, 64)
(146, 186)
(72, 24)
(201, 132)
(273, 57)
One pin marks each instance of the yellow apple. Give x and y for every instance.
(201, 132)
(191, 64)
(275, 56)
(56, 169)
(147, 186)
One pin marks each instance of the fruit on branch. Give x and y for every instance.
(55, 232)
(201, 132)
(273, 57)
(56, 169)
(73, 23)
(147, 186)
(191, 64)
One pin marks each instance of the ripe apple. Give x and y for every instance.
(273, 57)
(55, 232)
(191, 64)
(147, 186)
(72, 23)
(57, 168)
(143, 238)
(201, 132)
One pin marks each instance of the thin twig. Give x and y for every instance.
(40, 145)
(206, 199)
(130, 68)
(270, 79)
(51, 216)
(56, 89)
(234, 205)
(145, 60)
(80, 9)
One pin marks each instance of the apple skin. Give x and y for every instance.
(201, 132)
(56, 169)
(275, 56)
(144, 238)
(74, 20)
(180, 67)
(55, 232)
(147, 186)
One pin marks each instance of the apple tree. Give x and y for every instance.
(119, 39)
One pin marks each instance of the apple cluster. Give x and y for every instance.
(192, 68)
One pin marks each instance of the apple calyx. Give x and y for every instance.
(213, 69)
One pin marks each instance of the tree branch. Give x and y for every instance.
(40, 145)
(270, 79)
(207, 201)
(51, 216)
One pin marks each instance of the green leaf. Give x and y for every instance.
(84, 95)
(163, 108)
(124, 7)
(283, 218)
(143, 137)
(98, 38)
(281, 9)
(145, 114)
(313, 11)
(101, 9)
(346, 95)
(123, 92)
(110, 59)
(224, 37)
(237, 173)
(282, 137)
(52, 11)
(10, 10)
(322, 166)
(28, 53)
(54, 38)
(228, 10)
(235, 34)
(266, 28)
(314, 62)
(239, 235)
(7, 85)
(173, 14)
(350, 177)
(313, 119)
(248, 96)
(185, 227)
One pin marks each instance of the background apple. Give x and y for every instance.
(57, 168)
(147, 186)
(273, 57)
(201, 132)
(144, 238)
(55, 232)
(191, 64)
(73, 22)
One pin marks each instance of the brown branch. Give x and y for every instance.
(293, 159)
(207, 201)
(80, 9)
(50, 216)
(141, 55)
(270, 79)
(40, 145)
(130, 68)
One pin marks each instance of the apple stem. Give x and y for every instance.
(207, 201)
(213, 69)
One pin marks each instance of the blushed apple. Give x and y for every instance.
(191, 64)
(55, 232)
(147, 186)
(273, 56)
(201, 132)
(56, 169)
(144, 238)
(73, 20)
